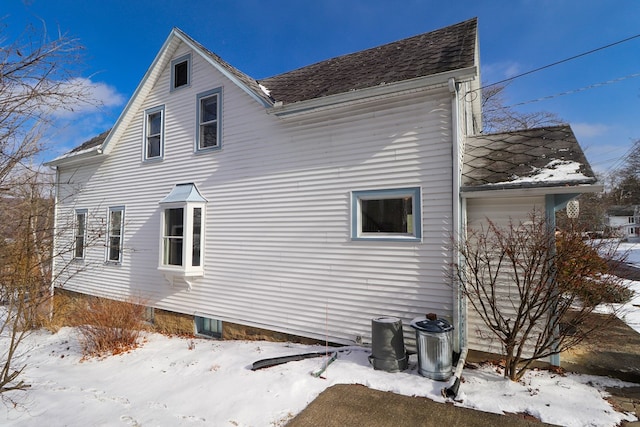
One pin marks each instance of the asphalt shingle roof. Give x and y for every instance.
(426, 54)
(514, 159)
(96, 141)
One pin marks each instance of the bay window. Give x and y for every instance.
(182, 215)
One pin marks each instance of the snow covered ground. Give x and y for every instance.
(178, 381)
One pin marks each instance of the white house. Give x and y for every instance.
(306, 203)
(624, 220)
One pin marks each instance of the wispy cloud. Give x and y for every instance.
(97, 97)
(589, 130)
(499, 71)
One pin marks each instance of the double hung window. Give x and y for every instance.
(80, 238)
(154, 133)
(115, 234)
(392, 214)
(208, 134)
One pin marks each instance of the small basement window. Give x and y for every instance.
(208, 327)
(181, 72)
(392, 214)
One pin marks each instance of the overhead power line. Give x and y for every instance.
(535, 70)
(572, 91)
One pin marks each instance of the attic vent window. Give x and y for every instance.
(181, 72)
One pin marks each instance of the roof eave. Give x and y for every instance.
(511, 190)
(371, 93)
(194, 46)
(71, 158)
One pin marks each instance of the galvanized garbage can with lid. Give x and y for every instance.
(434, 346)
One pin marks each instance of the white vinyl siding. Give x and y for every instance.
(501, 211)
(278, 252)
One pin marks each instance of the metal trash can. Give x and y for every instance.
(434, 346)
(387, 345)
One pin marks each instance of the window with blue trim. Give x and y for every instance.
(115, 234)
(181, 72)
(208, 134)
(80, 233)
(154, 133)
(392, 214)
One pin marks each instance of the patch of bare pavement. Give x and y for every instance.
(613, 352)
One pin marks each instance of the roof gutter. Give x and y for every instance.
(372, 93)
(70, 158)
(495, 191)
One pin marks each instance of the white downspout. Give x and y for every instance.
(458, 307)
(54, 240)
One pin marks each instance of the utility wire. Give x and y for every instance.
(570, 92)
(562, 61)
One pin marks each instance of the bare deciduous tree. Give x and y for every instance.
(497, 117)
(534, 289)
(38, 77)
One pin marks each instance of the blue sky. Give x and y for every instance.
(263, 38)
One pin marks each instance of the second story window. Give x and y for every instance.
(154, 133)
(209, 114)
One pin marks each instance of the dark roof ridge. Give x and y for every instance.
(366, 50)
(445, 49)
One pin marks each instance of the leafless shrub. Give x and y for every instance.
(108, 326)
(533, 294)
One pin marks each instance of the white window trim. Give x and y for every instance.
(108, 233)
(394, 193)
(75, 234)
(204, 95)
(145, 136)
(187, 271)
(175, 62)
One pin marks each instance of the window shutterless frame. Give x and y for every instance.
(153, 144)
(209, 118)
(80, 233)
(115, 234)
(387, 214)
(181, 72)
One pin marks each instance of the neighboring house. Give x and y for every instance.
(625, 221)
(306, 203)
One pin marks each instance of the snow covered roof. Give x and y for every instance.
(439, 51)
(541, 157)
